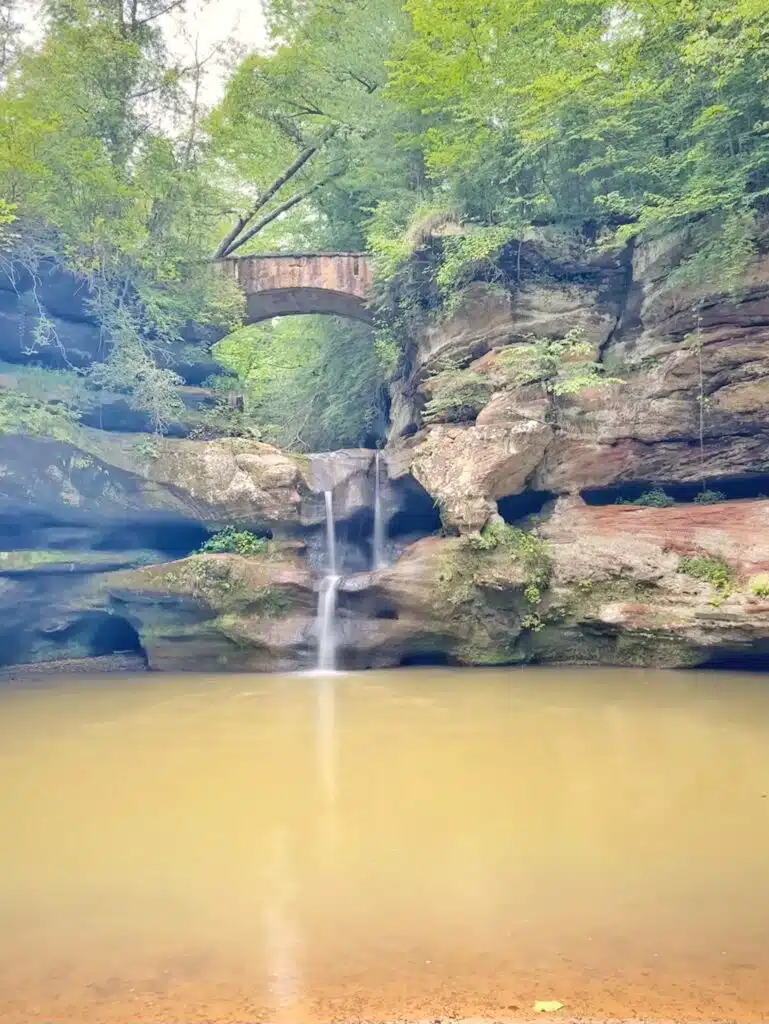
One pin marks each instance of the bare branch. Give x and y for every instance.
(158, 14)
(370, 87)
(188, 149)
(293, 169)
(274, 214)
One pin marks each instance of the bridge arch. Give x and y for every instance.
(288, 284)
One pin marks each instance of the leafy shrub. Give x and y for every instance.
(710, 570)
(237, 542)
(466, 257)
(21, 414)
(655, 498)
(708, 497)
(526, 548)
(759, 585)
(563, 365)
(146, 448)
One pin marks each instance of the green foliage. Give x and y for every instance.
(317, 93)
(564, 366)
(310, 383)
(467, 257)
(103, 183)
(233, 541)
(21, 414)
(146, 448)
(456, 395)
(635, 117)
(431, 133)
(709, 570)
(708, 497)
(560, 365)
(525, 548)
(759, 585)
(656, 498)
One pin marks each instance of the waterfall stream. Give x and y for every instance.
(379, 533)
(326, 617)
(330, 534)
(327, 624)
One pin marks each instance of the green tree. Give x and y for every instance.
(308, 123)
(101, 162)
(311, 383)
(623, 117)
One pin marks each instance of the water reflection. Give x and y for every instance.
(385, 845)
(282, 942)
(325, 689)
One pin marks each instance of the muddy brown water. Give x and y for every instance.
(375, 846)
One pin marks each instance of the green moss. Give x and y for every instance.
(709, 570)
(202, 577)
(489, 585)
(456, 395)
(146, 448)
(269, 602)
(19, 561)
(522, 546)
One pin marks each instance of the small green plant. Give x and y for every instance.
(492, 535)
(708, 497)
(655, 498)
(146, 448)
(233, 541)
(524, 547)
(532, 621)
(468, 256)
(759, 585)
(710, 570)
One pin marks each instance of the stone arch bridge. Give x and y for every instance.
(286, 284)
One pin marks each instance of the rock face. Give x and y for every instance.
(666, 342)
(99, 530)
(75, 338)
(102, 478)
(591, 585)
(218, 612)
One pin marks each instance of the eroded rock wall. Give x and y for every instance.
(668, 343)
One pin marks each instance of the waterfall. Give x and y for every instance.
(325, 623)
(379, 537)
(330, 534)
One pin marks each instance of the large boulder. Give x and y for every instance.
(214, 612)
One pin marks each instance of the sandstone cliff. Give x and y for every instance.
(101, 529)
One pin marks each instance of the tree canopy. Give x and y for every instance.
(367, 123)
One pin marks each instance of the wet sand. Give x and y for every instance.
(406, 846)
